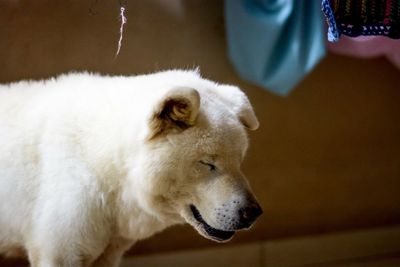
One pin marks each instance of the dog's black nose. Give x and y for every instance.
(248, 214)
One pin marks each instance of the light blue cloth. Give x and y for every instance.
(274, 43)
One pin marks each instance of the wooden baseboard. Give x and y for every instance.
(335, 249)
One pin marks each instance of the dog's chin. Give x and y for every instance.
(194, 218)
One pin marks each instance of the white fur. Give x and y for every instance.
(80, 180)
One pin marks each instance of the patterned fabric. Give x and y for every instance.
(362, 17)
(333, 31)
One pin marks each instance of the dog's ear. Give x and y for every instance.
(239, 102)
(247, 116)
(176, 111)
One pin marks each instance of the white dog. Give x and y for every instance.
(91, 164)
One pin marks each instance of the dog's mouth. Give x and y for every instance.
(212, 233)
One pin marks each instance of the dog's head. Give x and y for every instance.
(195, 145)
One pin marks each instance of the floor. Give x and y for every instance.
(374, 247)
(367, 248)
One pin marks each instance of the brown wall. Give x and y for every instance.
(326, 158)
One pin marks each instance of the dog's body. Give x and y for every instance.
(91, 164)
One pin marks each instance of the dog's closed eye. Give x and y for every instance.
(210, 165)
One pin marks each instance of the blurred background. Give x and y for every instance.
(325, 163)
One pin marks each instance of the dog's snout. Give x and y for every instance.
(249, 213)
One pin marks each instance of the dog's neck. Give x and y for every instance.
(134, 220)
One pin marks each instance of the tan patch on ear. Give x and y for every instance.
(178, 110)
(248, 118)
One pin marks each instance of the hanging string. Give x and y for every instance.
(121, 29)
